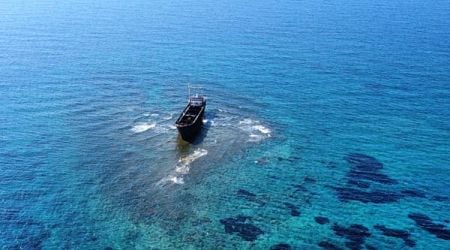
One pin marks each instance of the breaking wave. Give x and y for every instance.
(142, 127)
(168, 117)
(183, 167)
(256, 131)
(160, 123)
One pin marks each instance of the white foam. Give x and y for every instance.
(255, 138)
(142, 127)
(256, 131)
(246, 121)
(174, 179)
(261, 129)
(192, 157)
(168, 117)
(161, 129)
(183, 167)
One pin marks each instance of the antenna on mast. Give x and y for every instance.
(189, 92)
(195, 87)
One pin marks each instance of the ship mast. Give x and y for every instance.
(189, 92)
(196, 87)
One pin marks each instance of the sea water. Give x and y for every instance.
(327, 124)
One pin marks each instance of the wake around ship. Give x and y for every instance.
(190, 121)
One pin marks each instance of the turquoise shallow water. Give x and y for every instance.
(327, 125)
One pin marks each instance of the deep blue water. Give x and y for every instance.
(327, 125)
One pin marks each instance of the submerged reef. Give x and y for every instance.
(413, 193)
(308, 179)
(300, 188)
(397, 233)
(281, 246)
(358, 183)
(321, 220)
(374, 196)
(364, 162)
(364, 172)
(293, 208)
(425, 222)
(328, 245)
(440, 198)
(31, 235)
(245, 193)
(241, 226)
(370, 247)
(251, 197)
(355, 234)
(367, 167)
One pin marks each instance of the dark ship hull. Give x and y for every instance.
(190, 121)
